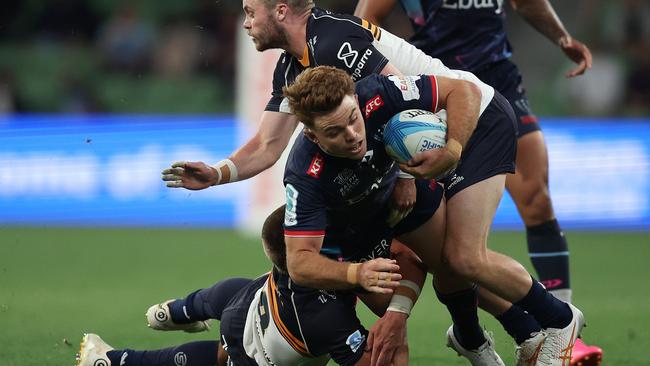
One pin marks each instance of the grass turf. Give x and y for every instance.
(56, 284)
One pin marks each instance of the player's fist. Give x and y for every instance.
(190, 175)
(379, 275)
(434, 163)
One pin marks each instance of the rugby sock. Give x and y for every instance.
(207, 303)
(190, 354)
(548, 250)
(547, 310)
(518, 323)
(463, 308)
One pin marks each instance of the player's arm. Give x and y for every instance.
(462, 100)
(307, 267)
(541, 15)
(265, 147)
(257, 155)
(375, 11)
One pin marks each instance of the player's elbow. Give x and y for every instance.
(297, 268)
(472, 91)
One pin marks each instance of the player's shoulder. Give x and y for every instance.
(306, 161)
(327, 29)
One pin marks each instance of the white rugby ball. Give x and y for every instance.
(414, 130)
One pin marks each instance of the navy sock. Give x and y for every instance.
(199, 353)
(549, 252)
(518, 323)
(547, 310)
(463, 308)
(207, 303)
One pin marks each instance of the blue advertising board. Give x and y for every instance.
(105, 171)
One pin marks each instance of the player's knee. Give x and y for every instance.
(467, 265)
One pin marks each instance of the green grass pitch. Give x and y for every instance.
(56, 284)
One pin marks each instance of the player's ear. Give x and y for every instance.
(310, 135)
(281, 11)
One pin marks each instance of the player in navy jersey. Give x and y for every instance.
(312, 36)
(471, 35)
(347, 143)
(267, 321)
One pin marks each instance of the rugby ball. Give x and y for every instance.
(414, 130)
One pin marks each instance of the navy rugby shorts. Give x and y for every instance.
(490, 151)
(504, 76)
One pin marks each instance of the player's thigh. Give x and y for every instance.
(469, 216)
(428, 239)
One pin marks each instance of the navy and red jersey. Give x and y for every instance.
(464, 34)
(344, 198)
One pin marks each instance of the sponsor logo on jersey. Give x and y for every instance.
(356, 75)
(373, 104)
(347, 54)
(473, 4)
(316, 166)
(290, 212)
(347, 180)
(355, 340)
(180, 359)
(406, 84)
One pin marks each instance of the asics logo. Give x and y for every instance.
(347, 54)
(565, 353)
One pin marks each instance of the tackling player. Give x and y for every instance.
(267, 321)
(472, 36)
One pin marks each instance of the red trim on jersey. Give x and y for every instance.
(528, 119)
(434, 93)
(304, 233)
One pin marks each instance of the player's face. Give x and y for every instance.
(262, 26)
(342, 133)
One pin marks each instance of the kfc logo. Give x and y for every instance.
(316, 166)
(373, 104)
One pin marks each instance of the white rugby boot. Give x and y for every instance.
(92, 351)
(527, 352)
(485, 355)
(557, 349)
(159, 318)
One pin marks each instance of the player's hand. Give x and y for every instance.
(402, 200)
(434, 163)
(379, 275)
(387, 340)
(578, 53)
(190, 175)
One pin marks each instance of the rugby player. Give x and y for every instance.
(266, 321)
(353, 171)
(471, 35)
(312, 36)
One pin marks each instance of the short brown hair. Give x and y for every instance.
(318, 91)
(293, 4)
(273, 239)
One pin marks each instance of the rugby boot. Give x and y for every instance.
(585, 355)
(527, 352)
(485, 355)
(92, 351)
(558, 347)
(159, 318)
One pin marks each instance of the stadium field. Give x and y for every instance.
(56, 284)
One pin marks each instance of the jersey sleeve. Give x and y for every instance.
(410, 92)
(349, 46)
(276, 103)
(306, 212)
